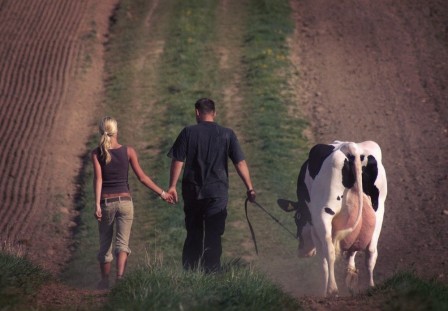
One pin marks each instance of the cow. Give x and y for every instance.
(341, 190)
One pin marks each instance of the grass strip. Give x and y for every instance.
(160, 288)
(123, 49)
(19, 280)
(278, 144)
(405, 291)
(187, 71)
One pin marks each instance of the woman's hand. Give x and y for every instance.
(98, 213)
(167, 197)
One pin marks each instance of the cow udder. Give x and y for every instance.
(361, 236)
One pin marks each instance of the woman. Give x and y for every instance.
(113, 201)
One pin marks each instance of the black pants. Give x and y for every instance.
(202, 247)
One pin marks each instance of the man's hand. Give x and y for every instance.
(167, 197)
(173, 193)
(251, 195)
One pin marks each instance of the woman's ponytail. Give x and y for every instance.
(107, 128)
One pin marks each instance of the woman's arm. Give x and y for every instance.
(97, 184)
(143, 178)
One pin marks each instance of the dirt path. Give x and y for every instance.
(369, 70)
(378, 70)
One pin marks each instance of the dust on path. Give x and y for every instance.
(378, 70)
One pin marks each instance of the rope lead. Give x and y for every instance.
(270, 215)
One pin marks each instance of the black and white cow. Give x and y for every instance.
(341, 191)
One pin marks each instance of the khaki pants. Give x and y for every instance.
(120, 214)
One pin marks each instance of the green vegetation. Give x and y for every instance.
(161, 288)
(405, 291)
(19, 280)
(158, 65)
(154, 92)
(186, 72)
(277, 145)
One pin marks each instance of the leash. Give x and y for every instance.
(270, 215)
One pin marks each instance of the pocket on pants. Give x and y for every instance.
(126, 210)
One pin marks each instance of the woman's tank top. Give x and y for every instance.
(115, 173)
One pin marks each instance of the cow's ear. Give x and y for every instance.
(287, 205)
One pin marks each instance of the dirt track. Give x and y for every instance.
(369, 70)
(377, 70)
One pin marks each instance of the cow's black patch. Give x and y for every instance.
(302, 190)
(303, 214)
(348, 172)
(329, 211)
(369, 175)
(317, 156)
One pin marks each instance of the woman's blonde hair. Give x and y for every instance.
(107, 128)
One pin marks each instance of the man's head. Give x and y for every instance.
(205, 109)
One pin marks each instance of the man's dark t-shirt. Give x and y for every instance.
(205, 149)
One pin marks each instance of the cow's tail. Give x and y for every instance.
(353, 149)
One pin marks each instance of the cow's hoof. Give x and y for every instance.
(333, 292)
(351, 280)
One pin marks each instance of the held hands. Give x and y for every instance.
(168, 197)
(251, 195)
(173, 192)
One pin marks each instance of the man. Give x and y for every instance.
(205, 149)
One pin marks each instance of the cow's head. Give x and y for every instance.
(302, 217)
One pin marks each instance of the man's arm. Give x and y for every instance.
(243, 172)
(175, 170)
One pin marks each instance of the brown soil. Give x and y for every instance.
(51, 75)
(368, 70)
(378, 70)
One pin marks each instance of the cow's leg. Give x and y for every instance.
(351, 277)
(325, 269)
(323, 230)
(372, 249)
(332, 288)
(324, 263)
(371, 256)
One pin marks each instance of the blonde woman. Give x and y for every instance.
(113, 201)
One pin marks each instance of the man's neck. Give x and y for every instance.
(206, 118)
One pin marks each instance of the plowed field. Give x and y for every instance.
(46, 60)
(368, 70)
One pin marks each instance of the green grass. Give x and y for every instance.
(19, 280)
(277, 142)
(161, 288)
(187, 71)
(152, 97)
(405, 291)
(159, 99)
